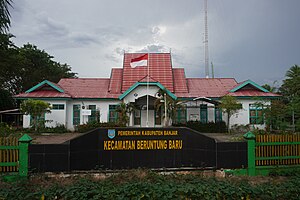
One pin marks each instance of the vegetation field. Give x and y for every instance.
(140, 184)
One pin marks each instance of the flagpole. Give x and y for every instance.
(147, 122)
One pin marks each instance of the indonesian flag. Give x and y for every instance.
(139, 61)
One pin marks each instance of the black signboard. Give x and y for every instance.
(129, 148)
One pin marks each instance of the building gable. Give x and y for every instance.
(45, 85)
(160, 69)
(137, 84)
(248, 85)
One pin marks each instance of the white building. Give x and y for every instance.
(77, 100)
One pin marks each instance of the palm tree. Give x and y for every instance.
(293, 72)
(4, 15)
(172, 106)
(291, 85)
(272, 88)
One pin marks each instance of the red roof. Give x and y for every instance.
(160, 69)
(208, 87)
(87, 87)
(43, 94)
(145, 79)
(253, 93)
(180, 83)
(115, 83)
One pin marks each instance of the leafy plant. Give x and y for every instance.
(143, 184)
(210, 127)
(230, 106)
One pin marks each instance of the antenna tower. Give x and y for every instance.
(206, 58)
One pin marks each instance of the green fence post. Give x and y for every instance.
(24, 142)
(250, 137)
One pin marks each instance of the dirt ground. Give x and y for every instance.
(52, 138)
(225, 137)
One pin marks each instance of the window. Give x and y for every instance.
(256, 114)
(180, 115)
(92, 117)
(218, 114)
(137, 117)
(112, 113)
(203, 113)
(76, 114)
(58, 106)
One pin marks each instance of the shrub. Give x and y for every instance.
(59, 128)
(92, 125)
(240, 129)
(5, 129)
(210, 127)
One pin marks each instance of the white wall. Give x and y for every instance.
(140, 91)
(242, 116)
(55, 117)
(26, 121)
(101, 105)
(193, 114)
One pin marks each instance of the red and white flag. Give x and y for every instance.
(139, 61)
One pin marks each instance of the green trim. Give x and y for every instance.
(8, 147)
(69, 98)
(179, 118)
(112, 108)
(76, 120)
(251, 97)
(277, 158)
(43, 83)
(185, 98)
(145, 83)
(203, 113)
(277, 166)
(256, 119)
(106, 99)
(44, 98)
(238, 97)
(246, 83)
(220, 117)
(276, 143)
(137, 117)
(8, 164)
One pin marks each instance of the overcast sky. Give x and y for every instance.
(249, 39)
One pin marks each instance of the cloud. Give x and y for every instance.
(246, 39)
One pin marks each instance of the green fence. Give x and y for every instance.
(267, 153)
(14, 156)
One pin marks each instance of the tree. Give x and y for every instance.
(4, 15)
(37, 65)
(124, 111)
(274, 113)
(172, 106)
(290, 90)
(22, 68)
(230, 106)
(36, 109)
(270, 88)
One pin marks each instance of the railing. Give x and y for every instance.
(277, 150)
(14, 156)
(270, 152)
(9, 154)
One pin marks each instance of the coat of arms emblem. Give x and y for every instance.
(111, 133)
